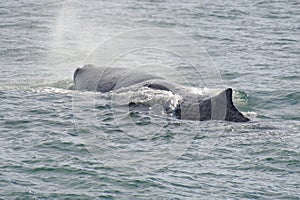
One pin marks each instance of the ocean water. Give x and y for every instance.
(58, 143)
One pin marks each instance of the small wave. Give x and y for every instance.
(51, 90)
(62, 87)
(250, 114)
(62, 84)
(240, 97)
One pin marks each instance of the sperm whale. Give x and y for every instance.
(190, 107)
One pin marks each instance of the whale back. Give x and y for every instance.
(101, 79)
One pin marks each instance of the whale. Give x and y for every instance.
(191, 106)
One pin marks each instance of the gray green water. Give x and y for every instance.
(49, 144)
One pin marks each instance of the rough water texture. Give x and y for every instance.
(57, 143)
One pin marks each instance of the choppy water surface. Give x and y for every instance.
(59, 143)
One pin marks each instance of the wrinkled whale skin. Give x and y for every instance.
(192, 107)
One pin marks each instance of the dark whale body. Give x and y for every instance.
(191, 106)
